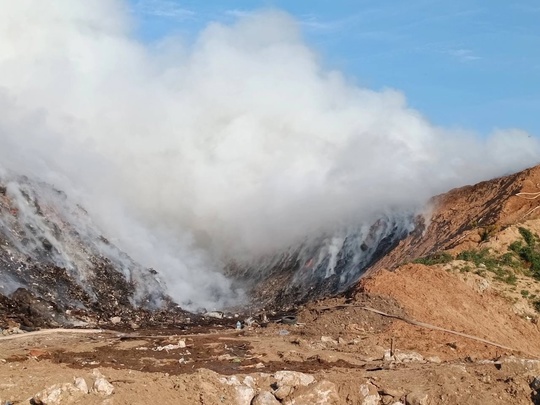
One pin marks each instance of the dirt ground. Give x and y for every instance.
(346, 349)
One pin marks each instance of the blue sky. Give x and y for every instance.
(462, 63)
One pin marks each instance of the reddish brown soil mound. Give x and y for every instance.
(461, 216)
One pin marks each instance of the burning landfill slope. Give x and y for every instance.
(324, 265)
(56, 267)
(458, 219)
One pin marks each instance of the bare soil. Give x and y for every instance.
(341, 344)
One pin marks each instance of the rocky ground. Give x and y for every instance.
(449, 316)
(338, 352)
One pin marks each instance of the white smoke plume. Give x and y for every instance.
(235, 145)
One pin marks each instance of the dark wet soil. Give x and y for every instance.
(224, 353)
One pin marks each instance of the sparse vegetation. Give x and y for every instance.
(528, 252)
(484, 260)
(523, 257)
(435, 258)
(487, 232)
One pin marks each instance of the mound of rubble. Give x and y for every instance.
(58, 269)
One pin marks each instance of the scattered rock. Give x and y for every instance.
(293, 378)
(396, 393)
(482, 285)
(369, 394)
(264, 398)
(101, 385)
(283, 392)
(417, 398)
(81, 385)
(287, 381)
(321, 393)
(115, 320)
(57, 394)
(403, 357)
(181, 344)
(328, 339)
(387, 399)
(244, 392)
(249, 381)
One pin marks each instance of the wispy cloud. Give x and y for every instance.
(239, 13)
(312, 22)
(163, 8)
(463, 55)
(307, 21)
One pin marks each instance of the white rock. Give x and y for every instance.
(101, 385)
(115, 320)
(265, 398)
(403, 357)
(49, 396)
(369, 394)
(406, 357)
(80, 384)
(249, 381)
(244, 393)
(57, 394)
(321, 393)
(283, 392)
(342, 341)
(328, 339)
(233, 380)
(293, 378)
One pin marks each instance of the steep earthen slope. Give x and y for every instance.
(462, 217)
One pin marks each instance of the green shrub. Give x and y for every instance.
(529, 253)
(435, 258)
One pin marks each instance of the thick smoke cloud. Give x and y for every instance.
(236, 145)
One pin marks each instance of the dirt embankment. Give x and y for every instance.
(463, 217)
(435, 295)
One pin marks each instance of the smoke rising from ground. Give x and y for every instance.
(235, 145)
